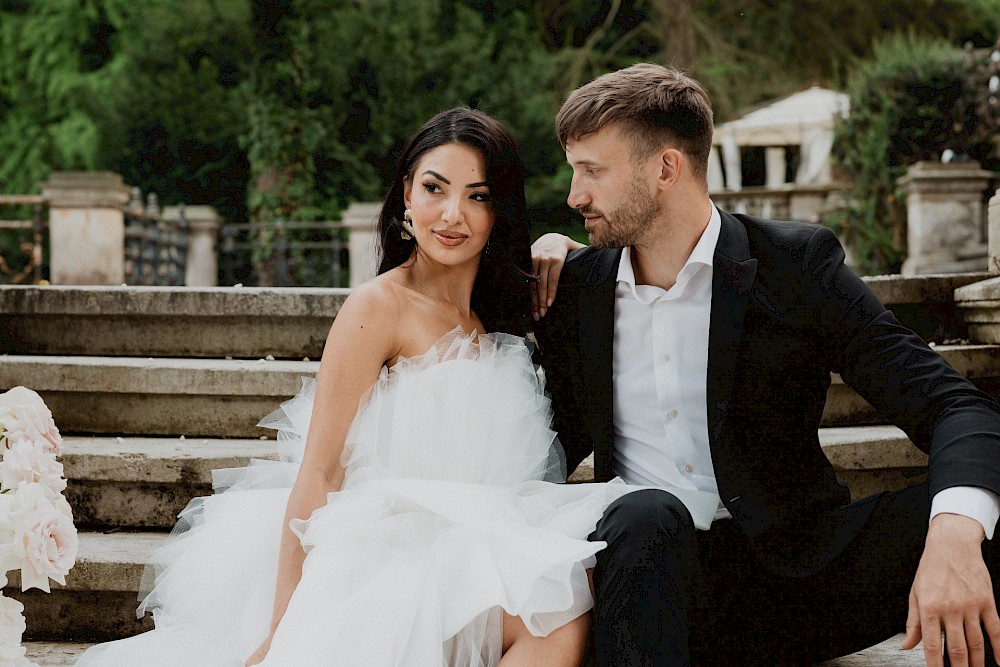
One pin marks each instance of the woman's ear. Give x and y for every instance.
(407, 189)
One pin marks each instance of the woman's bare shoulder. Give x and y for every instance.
(381, 297)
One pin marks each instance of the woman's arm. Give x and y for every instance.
(548, 254)
(361, 340)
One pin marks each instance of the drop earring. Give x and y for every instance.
(406, 231)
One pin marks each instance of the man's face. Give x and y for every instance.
(611, 190)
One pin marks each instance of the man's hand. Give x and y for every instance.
(548, 254)
(952, 594)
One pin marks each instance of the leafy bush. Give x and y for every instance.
(913, 100)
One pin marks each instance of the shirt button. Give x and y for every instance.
(688, 468)
(666, 357)
(672, 414)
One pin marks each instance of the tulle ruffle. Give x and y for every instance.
(447, 516)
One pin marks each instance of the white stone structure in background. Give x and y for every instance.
(360, 220)
(804, 119)
(944, 217)
(86, 228)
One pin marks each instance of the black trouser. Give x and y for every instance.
(669, 595)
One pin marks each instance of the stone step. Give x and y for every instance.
(132, 482)
(868, 458)
(886, 654)
(55, 654)
(167, 321)
(294, 322)
(979, 363)
(158, 396)
(226, 397)
(99, 599)
(145, 482)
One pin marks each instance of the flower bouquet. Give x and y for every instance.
(37, 535)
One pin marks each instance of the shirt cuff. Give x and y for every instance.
(970, 501)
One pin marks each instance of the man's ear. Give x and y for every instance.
(672, 165)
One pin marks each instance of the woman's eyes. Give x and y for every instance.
(475, 196)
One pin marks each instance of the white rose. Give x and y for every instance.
(26, 461)
(7, 559)
(11, 630)
(23, 414)
(45, 540)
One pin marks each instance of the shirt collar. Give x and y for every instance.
(702, 255)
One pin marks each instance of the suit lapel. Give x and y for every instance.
(597, 330)
(732, 277)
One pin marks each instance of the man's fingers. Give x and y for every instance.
(974, 642)
(912, 637)
(957, 644)
(991, 622)
(930, 631)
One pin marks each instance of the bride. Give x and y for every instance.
(422, 527)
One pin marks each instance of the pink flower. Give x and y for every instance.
(45, 540)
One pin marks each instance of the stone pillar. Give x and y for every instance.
(774, 167)
(944, 216)
(360, 220)
(202, 268)
(993, 231)
(86, 227)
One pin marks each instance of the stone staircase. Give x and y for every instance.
(153, 388)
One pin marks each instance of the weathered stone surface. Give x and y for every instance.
(54, 654)
(979, 306)
(152, 396)
(167, 321)
(944, 217)
(869, 458)
(886, 654)
(106, 562)
(925, 304)
(146, 482)
(893, 290)
(161, 460)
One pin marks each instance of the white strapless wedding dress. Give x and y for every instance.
(448, 514)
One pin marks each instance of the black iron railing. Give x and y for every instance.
(155, 248)
(283, 254)
(27, 268)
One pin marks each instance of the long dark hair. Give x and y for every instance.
(500, 295)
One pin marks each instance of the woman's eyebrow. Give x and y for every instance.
(447, 182)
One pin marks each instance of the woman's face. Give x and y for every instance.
(450, 204)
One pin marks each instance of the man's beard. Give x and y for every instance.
(624, 226)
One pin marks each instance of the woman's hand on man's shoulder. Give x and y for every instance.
(548, 256)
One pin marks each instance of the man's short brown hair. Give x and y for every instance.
(654, 105)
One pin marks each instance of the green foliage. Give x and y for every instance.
(292, 109)
(909, 103)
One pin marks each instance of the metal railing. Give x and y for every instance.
(155, 248)
(302, 254)
(32, 251)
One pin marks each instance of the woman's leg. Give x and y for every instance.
(563, 647)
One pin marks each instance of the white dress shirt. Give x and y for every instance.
(661, 341)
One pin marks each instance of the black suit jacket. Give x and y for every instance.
(786, 312)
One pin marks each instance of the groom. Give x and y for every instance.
(689, 348)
